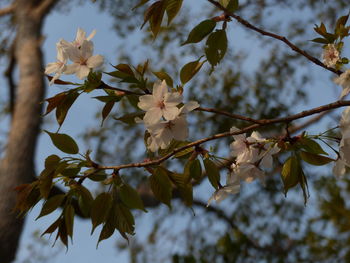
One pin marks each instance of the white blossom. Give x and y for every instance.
(232, 187)
(163, 132)
(330, 55)
(241, 148)
(160, 103)
(344, 81)
(248, 172)
(59, 66)
(81, 37)
(83, 60)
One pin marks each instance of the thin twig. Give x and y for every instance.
(7, 10)
(262, 123)
(231, 115)
(281, 38)
(106, 86)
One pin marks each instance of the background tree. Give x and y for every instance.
(249, 90)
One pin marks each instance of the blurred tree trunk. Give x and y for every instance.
(17, 165)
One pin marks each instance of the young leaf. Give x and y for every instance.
(51, 205)
(315, 159)
(161, 186)
(291, 172)
(311, 146)
(189, 70)
(212, 172)
(64, 106)
(100, 209)
(172, 9)
(195, 170)
(230, 5)
(69, 219)
(55, 101)
(106, 110)
(52, 228)
(125, 220)
(130, 197)
(164, 76)
(64, 142)
(200, 31)
(216, 47)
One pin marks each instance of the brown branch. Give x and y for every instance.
(231, 115)
(8, 73)
(278, 37)
(106, 86)
(7, 10)
(45, 7)
(262, 123)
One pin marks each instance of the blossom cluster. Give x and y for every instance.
(164, 119)
(344, 146)
(251, 155)
(80, 52)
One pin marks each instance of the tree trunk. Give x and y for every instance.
(17, 166)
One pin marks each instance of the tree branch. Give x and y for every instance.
(278, 37)
(45, 7)
(7, 10)
(231, 115)
(262, 123)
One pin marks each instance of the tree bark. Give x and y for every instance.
(17, 165)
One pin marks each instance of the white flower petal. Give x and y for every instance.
(170, 113)
(152, 115)
(95, 61)
(51, 67)
(82, 72)
(159, 90)
(71, 69)
(146, 102)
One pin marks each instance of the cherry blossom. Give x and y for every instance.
(161, 103)
(59, 66)
(163, 132)
(81, 37)
(83, 60)
(330, 55)
(232, 187)
(344, 81)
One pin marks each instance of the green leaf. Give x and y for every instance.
(62, 233)
(131, 197)
(212, 172)
(164, 76)
(85, 200)
(125, 220)
(100, 209)
(106, 232)
(64, 142)
(96, 175)
(130, 117)
(315, 159)
(200, 31)
(189, 70)
(51, 205)
(216, 47)
(195, 169)
(311, 146)
(63, 108)
(125, 68)
(291, 172)
(106, 110)
(55, 101)
(342, 21)
(230, 5)
(320, 40)
(161, 186)
(69, 219)
(93, 81)
(172, 8)
(52, 228)
(109, 98)
(154, 15)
